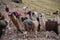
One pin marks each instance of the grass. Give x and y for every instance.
(39, 5)
(43, 4)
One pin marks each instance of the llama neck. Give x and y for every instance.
(56, 17)
(43, 18)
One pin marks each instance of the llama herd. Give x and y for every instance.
(31, 21)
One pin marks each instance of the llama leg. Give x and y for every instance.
(56, 31)
(18, 29)
(47, 34)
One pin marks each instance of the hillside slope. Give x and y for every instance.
(48, 6)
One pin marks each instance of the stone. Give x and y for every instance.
(17, 1)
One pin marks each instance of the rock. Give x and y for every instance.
(17, 1)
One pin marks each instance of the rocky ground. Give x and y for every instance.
(11, 34)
